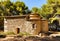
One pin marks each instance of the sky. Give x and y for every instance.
(33, 3)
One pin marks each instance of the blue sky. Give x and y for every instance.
(33, 3)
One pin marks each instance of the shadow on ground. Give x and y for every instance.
(31, 38)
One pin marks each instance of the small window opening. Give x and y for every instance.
(34, 26)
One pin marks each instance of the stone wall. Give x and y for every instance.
(21, 23)
(31, 26)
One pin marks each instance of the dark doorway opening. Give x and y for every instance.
(1, 24)
(18, 30)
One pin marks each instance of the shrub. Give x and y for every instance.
(2, 35)
(9, 33)
(24, 34)
(21, 34)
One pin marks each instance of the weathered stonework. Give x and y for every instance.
(31, 24)
(13, 24)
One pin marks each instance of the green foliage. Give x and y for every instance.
(24, 34)
(21, 34)
(34, 10)
(2, 33)
(8, 8)
(46, 10)
(50, 8)
(9, 33)
(55, 4)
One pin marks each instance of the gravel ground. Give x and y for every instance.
(31, 38)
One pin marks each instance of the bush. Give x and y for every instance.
(9, 33)
(24, 34)
(20, 34)
(2, 35)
